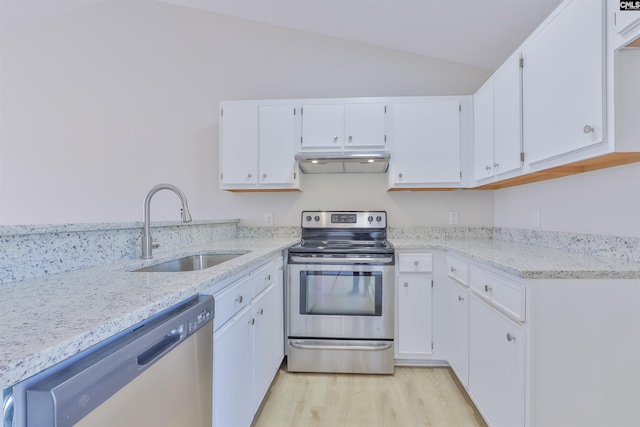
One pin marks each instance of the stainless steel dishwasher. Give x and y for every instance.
(158, 374)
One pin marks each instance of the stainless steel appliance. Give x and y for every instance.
(159, 373)
(340, 294)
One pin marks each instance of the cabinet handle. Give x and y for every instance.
(268, 278)
(510, 337)
(252, 321)
(487, 288)
(335, 139)
(495, 165)
(406, 284)
(239, 299)
(487, 168)
(453, 270)
(261, 311)
(587, 129)
(460, 298)
(350, 138)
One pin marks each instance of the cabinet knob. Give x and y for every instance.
(335, 139)
(399, 175)
(249, 175)
(239, 299)
(264, 175)
(350, 138)
(495, 165)
(487, 288)
(510, 337)
(460, 298)
(587, 129)
(406, 284)
(252, 321)
(416, 263)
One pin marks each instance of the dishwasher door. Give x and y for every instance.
(160, 374)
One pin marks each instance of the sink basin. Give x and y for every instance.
(189, 263)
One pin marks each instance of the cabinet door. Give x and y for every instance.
(496, 365)
(233, 360)
(269, 339)
(277, 144)
(414, 331)
(507, 117)
(322, 126)
(239, 127)
(456, 328)
(426, 142)
(364, 125)
(483, 132)
(563, 83)
(625, 20)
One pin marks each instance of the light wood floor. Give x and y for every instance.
(410, 397)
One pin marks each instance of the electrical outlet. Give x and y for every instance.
(535, 216)
(268, 219)
(453, 217)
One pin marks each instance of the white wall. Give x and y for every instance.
(100, 105)
(605, 202)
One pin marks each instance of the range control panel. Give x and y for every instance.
(344, 219)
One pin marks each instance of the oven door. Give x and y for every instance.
(339, 299)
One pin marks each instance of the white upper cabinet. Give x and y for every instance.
(323, 126)
(277, 145)
(497, 118)
(425, 144)
(563, 83)
(483, 132)
(364, 125)
(343, 125)
(239, 134)
(507, 116)
(626, 20)
(257, 146)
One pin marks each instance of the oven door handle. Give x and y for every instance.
(321, 345)
(341, 260)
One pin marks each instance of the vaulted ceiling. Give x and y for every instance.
(480, 33)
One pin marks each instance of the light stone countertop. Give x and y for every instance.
(529, 261)
(49, 319)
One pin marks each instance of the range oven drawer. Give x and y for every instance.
(340, 356)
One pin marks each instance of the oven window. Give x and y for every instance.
(345, 293)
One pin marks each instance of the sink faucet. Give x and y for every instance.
(147, 240)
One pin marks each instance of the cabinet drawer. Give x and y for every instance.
(414, 263)
(504, 294)
(263, 277)
(231, 300)
(458, 269)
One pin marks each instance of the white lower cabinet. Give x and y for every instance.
(249, 347)
(233, 358)
(455, 325)
(496, 364)
(414, 307)
(542, 352)
(268, 310)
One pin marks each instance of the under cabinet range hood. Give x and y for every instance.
(344, 162)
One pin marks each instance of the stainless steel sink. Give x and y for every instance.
(189, 263)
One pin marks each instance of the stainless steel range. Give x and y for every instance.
(340, 294)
